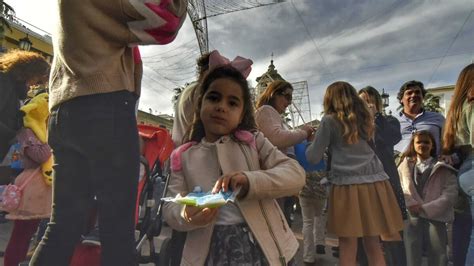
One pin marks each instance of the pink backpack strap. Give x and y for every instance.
(246, 137)
(176, 164)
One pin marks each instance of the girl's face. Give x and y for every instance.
(282, 99)
(423, 146)
(221, 108)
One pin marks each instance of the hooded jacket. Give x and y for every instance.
(439, 192)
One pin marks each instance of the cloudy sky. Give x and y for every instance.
(365, 42)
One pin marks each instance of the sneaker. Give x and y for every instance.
(93, 238)
(320, 249)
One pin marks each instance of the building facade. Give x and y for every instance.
(164, 121)
(40, 41)
(445, 94)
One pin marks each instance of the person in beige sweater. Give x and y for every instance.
(94, 85)
(271, 105)
(226, 153)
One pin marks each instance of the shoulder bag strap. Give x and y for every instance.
(29, 179)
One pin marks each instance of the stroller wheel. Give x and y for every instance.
(164, 255)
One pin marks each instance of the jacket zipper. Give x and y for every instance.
(272, 234)
(281, 257)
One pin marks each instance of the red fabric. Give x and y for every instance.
(23, 231)
(137, 59)
(167, 32)
(86, 255)
(158, 146)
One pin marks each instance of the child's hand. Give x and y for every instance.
(309, 130)
(415, 209)
(199, 217)
(232, 181)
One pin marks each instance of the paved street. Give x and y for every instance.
(322, 260)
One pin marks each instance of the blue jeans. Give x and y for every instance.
(95, 146)
(466, 181)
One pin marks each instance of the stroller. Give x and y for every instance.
(157, 150)
(151, 188)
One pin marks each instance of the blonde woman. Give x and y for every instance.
(459, 139)
(271, 105)
(361, 200)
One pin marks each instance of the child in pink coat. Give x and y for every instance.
(430, 189)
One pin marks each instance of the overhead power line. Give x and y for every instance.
(449, 46)
(312, 39)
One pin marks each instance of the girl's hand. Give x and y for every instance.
(310, 137)
(232, 181)
(309, 130)
(447, 159)
(199, 217)
(415, 209)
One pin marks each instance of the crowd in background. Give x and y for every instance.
(390, 184)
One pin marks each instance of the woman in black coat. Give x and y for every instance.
(387, 134)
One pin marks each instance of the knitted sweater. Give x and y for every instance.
(94, 40)
(350, 163)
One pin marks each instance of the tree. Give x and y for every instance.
(431, 103)
(177, 93)
(6, 12)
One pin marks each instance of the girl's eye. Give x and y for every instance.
(234, 103)
(212, 98)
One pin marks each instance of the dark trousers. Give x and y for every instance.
(420, 232)
(95, 146)
(461, 237)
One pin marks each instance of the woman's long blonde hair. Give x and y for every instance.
(342, 101)
(463, 91)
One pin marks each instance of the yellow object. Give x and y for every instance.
(47, 171)
(36, 116)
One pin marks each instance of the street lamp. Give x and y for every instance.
(385, 102)
(25, 43)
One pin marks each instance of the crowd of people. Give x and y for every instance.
(389, 184)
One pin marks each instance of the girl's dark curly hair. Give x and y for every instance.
(196, 132)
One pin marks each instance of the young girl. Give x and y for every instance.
(361, 201)
(223, 155)
(35, 203)
(430, 190)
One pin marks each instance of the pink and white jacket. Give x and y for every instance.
(271, 175)
(439, 192)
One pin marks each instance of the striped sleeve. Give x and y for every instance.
(161, 20)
